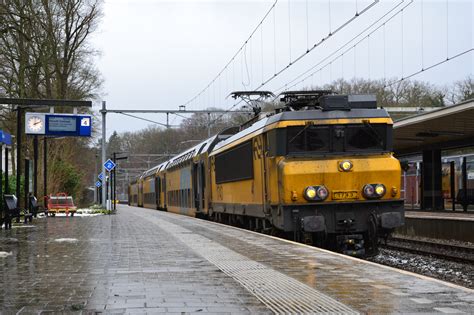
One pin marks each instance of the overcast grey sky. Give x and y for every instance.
(160, 54)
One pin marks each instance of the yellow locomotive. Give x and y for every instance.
(321, 168)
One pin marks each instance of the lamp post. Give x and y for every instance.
(114, 178)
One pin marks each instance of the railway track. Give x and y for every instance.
(458, 253)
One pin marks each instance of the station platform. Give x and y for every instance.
(445, 225)
(146, 261)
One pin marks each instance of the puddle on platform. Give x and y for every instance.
(66, 240)
(5, 254)
(85, 212)
(9, 240)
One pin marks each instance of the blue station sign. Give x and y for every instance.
(98, 184)
(71, 125)
(109, 165)
(5, 138)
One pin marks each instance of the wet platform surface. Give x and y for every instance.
(145, 261)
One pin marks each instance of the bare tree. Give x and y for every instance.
(45, 53)
(461, 90)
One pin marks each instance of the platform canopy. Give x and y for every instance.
(446, 128)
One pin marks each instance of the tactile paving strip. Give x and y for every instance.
(279, 292)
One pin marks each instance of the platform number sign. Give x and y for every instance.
(100, 176)
(98, 184)
(109, 165)
(85, 122)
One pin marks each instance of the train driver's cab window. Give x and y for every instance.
(366, 137)
(311, 139)
(308, 139)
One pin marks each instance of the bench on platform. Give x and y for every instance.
(11, 210)
(34, 207)
(465, 197)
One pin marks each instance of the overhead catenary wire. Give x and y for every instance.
(401, 46)
(274, 44)
(422, 36)
(289, 28)
(423, 69)
(338, 56)
(368, 55)
(447, 29)
(462, 53)
(317, 44)
(148, 120)
(251, 63)
(323, 40)
(384, 54)
(307, 26)
(234, 56)
(353, 45)
(329, 16)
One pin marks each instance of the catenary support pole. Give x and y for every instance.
(18, 153)
(45, 170)
(7, 184)
(94, 179)
(114, 183)
(35, 166)
(27, 183)
(1, 177)
(464, 181)
(104, 180)
(452, 178)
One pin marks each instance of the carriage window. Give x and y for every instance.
(235, 164)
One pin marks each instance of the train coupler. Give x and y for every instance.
(352, 245)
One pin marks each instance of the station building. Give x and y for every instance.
(437, 154)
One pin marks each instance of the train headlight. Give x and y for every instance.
(316, 193)
(368, 191)
(380, 190)
(322, 192)
(346, 166)
(374, 190)
(310, 193)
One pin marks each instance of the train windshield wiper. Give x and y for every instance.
(373, 133)
(299, 133)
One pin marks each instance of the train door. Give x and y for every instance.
(199, 182)
(260, 171)
(266, 203)
(158, 191)
(165, 195)
(140, 194)
(196, 190)
(202, 185)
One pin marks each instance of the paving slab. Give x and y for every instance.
(146, 261)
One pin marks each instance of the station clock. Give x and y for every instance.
(35, 123)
